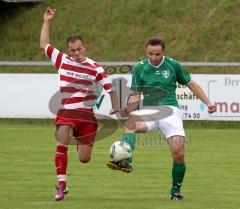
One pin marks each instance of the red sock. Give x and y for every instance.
(61, 161)
(62, 183)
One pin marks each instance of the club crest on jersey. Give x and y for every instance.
(165, 73)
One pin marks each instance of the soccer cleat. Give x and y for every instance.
(65, 190)
(122, 165)
(61, 190)
(177, 196)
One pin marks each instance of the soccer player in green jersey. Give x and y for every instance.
(156, 77)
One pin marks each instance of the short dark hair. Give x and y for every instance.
(73, 38)
(155, 42)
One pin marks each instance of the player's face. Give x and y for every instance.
(155, 54)
(77, 50)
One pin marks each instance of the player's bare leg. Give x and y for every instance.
(63, 135)
(85, 152)
(176, 144)
(85, 137)
(135, 124)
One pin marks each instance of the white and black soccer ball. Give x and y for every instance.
(120, 150)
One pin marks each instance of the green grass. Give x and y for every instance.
(117, 31)
(28, 174)
(192, 124)
(204, 30)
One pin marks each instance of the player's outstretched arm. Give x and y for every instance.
(198, 91)
(44, 36)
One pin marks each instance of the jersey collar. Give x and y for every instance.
(86, 60)
(157, 65)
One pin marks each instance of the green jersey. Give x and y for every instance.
(158, 83)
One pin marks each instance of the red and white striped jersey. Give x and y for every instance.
(80, 83)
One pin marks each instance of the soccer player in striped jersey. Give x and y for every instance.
(81, 79)
(156, 77)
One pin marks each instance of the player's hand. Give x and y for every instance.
(49, 14)
(211, 108)
(124, 112)
(112, 112)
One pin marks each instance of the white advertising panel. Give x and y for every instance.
(223, 90)
(29, 96)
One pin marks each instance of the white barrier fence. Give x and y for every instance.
(28, 96)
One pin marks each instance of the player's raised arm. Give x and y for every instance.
(44, 36)
(198, 91)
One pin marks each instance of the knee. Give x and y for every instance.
(130, 125)
(84, 159)
(178, 156)
(64, 134)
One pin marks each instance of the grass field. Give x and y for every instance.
(205, 30)
(28, 173)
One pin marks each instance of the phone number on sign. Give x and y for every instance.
(192, 115)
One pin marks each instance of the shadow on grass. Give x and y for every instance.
(12, 10)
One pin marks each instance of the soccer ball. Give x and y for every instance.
(120, 150)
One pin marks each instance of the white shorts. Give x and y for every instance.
(166, 118)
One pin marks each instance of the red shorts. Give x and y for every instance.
(84, 122)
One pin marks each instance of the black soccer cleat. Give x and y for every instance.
(177, 196)
(122, 165)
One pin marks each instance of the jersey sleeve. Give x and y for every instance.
(55, 55)
(103, 79)
(182, 76)
(136, 81)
